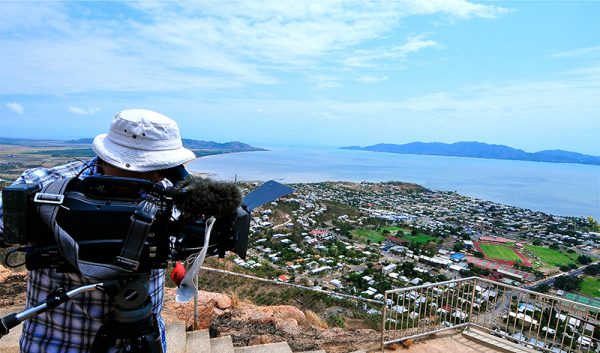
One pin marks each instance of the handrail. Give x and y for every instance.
(537, 320)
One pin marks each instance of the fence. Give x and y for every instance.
(533, 319)
(337, 309)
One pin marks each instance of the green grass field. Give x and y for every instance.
(374, 236)
(419, 238)
(393, 229)
(499, 252)
(590, 287)
(552, 257)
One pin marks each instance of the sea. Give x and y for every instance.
(554, 188)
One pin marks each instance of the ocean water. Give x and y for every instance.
(554, 188)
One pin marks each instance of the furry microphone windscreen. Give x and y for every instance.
(195, 196)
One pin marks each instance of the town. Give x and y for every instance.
(364, 238)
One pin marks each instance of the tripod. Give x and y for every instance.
(131, 324)
(131, 327)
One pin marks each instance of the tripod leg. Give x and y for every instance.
(136, 337)
(103, 340)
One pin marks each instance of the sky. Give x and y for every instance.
(308, 73)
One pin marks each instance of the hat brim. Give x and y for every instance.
(135, 160)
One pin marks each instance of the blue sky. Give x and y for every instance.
(324, 73)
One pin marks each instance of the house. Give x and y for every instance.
(336, 283)
(416, 281)
(399, 309)
(389, 268)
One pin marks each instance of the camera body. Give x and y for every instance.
(97, 212)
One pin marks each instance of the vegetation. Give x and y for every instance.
(584, 260)
(593, 224)
(70, 152)
(590, 287)
(419, 238)
(552, 257)
(499, 252)
(380, 234)
(374, 236)
(568, 283)
(593, 270)
(336, 321)
(542, 288)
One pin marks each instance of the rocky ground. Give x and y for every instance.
(248, 324)
(13, 286)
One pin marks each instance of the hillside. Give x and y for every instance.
(16, 155)
(480, 150)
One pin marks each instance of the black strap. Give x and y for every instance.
(67, 246)
(141, 221)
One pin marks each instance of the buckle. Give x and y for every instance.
(54, 199)
(126, 264)
(145, 212)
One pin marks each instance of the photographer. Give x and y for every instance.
(139, 144)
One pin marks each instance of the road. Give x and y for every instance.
(550, 280)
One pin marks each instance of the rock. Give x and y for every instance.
(288, 312)
(256, 313)
(210, 306)
(288, 326)
(221, 300)
(258, 340)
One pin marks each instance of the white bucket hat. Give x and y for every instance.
(142, 140)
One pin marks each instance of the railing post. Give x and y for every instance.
(383, 319)
(472, 303)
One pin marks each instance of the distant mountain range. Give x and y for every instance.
(201, 148)
(480, 150)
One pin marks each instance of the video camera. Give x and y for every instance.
(99, 213)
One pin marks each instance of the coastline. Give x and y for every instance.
(553, 188)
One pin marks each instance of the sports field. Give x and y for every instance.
(552, 257)
(419, 238)
(590, 287)
(374, 236)
(499, 252)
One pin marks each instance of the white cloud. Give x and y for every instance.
(371, 78)
(457, 8)
(579, 52)
(393, 55)
(15, 107)
(83, 111)
(74, 47)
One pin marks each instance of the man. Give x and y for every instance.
(141, 144)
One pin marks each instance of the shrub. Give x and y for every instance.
(314, 320)
(336, 321)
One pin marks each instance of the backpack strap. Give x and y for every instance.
(141, 221)
(48, 205)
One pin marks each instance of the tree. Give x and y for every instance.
(458, 246)
(593, 270)
(564, 268)
(595, 226)
(542, 288)
(584, 260)
(568, 283)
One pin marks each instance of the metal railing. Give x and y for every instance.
(535, 320)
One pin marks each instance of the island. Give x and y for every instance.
(480, 150)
